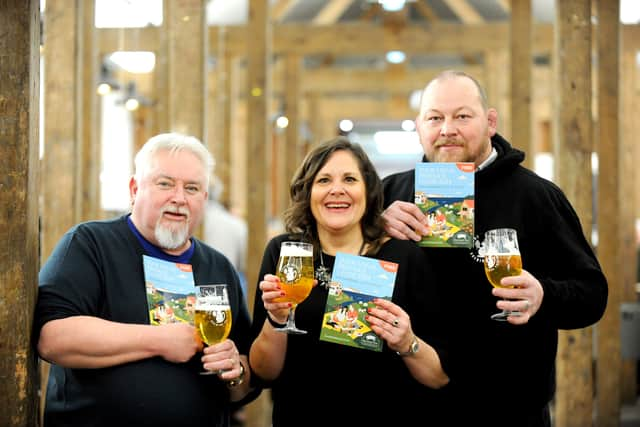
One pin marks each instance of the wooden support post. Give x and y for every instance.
(610, 202)
(62, 111)
(89, 177)
(19, 100)
(61, 171)
(521, 65)
(498, 88)
(293, 155)
(258, 42)
(187, 85)
(574, 145)
(220, 116)
(630, 186)
(186, 22)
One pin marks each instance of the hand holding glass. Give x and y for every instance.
(212, 315)
(502, 259)
(295, 271)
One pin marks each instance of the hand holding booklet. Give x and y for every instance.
(445, 193)
(355, 282)
(170, 291)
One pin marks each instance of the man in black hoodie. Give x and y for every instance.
(502, 373)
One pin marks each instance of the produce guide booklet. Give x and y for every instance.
(445, 193)
(355, 282)
(170, 291)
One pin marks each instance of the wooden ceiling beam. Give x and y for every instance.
(281, 8)
(363, 38)
(331, 12)
(426, 11)
(505, 5)
(466, 12)
(358, 38)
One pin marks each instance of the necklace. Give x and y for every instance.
(323, 274)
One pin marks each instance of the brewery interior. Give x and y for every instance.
(262, 81)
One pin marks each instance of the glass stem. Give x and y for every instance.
(291, 319)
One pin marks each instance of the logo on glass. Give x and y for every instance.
(290, 272)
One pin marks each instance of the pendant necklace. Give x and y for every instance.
(323, 274)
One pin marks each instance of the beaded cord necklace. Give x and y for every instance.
(323, 274)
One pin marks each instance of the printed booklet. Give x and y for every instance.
(170, 291)
(445, 193)
(355, 282)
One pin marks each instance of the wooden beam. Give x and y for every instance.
(630, 104)
(89, 179)
(365, 38)
(505, 5)
(611, 200)
(354, 81)
(62, 140)
(331, 12)
(187, 85)
(358, 38)
(464, 10)
(425, 11)
(129, 39)
(373, 11)
(521, 65)
(572, 169)
(280, 9)
(292, 99)
(19, 100)
(258, 42)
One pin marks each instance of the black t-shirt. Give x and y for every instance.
(324, 383)
(96, 270)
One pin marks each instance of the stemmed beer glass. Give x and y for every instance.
(212, 315)
(295, 271)
(501, 259)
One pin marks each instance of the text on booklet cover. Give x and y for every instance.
(355, 282)
(170, 291)
(445, 193)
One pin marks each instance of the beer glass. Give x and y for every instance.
(295, 271)
(212, 315)
(501, 259)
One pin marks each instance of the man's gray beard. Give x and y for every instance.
(171, 239)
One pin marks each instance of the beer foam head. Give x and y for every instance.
(296, 250)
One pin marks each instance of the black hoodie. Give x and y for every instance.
(496, 368)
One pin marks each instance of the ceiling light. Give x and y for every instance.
(408, 125)
(396, 56)
(346, 125)
(392, 5)
(282, 122)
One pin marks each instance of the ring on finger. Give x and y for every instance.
(395, 322)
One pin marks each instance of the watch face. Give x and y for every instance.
(414, 346)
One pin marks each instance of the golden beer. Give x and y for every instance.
(213, 323)
(497, 266)
(295, 271)
(296, 288)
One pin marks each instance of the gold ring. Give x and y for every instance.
(396, 322)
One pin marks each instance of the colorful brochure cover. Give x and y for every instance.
(170, 291)
(355, 282)
(445, 192)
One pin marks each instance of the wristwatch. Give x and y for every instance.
(413, 348)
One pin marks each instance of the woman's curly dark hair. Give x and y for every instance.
(299, 220)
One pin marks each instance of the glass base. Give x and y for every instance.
(291, 330)
(502, 316)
